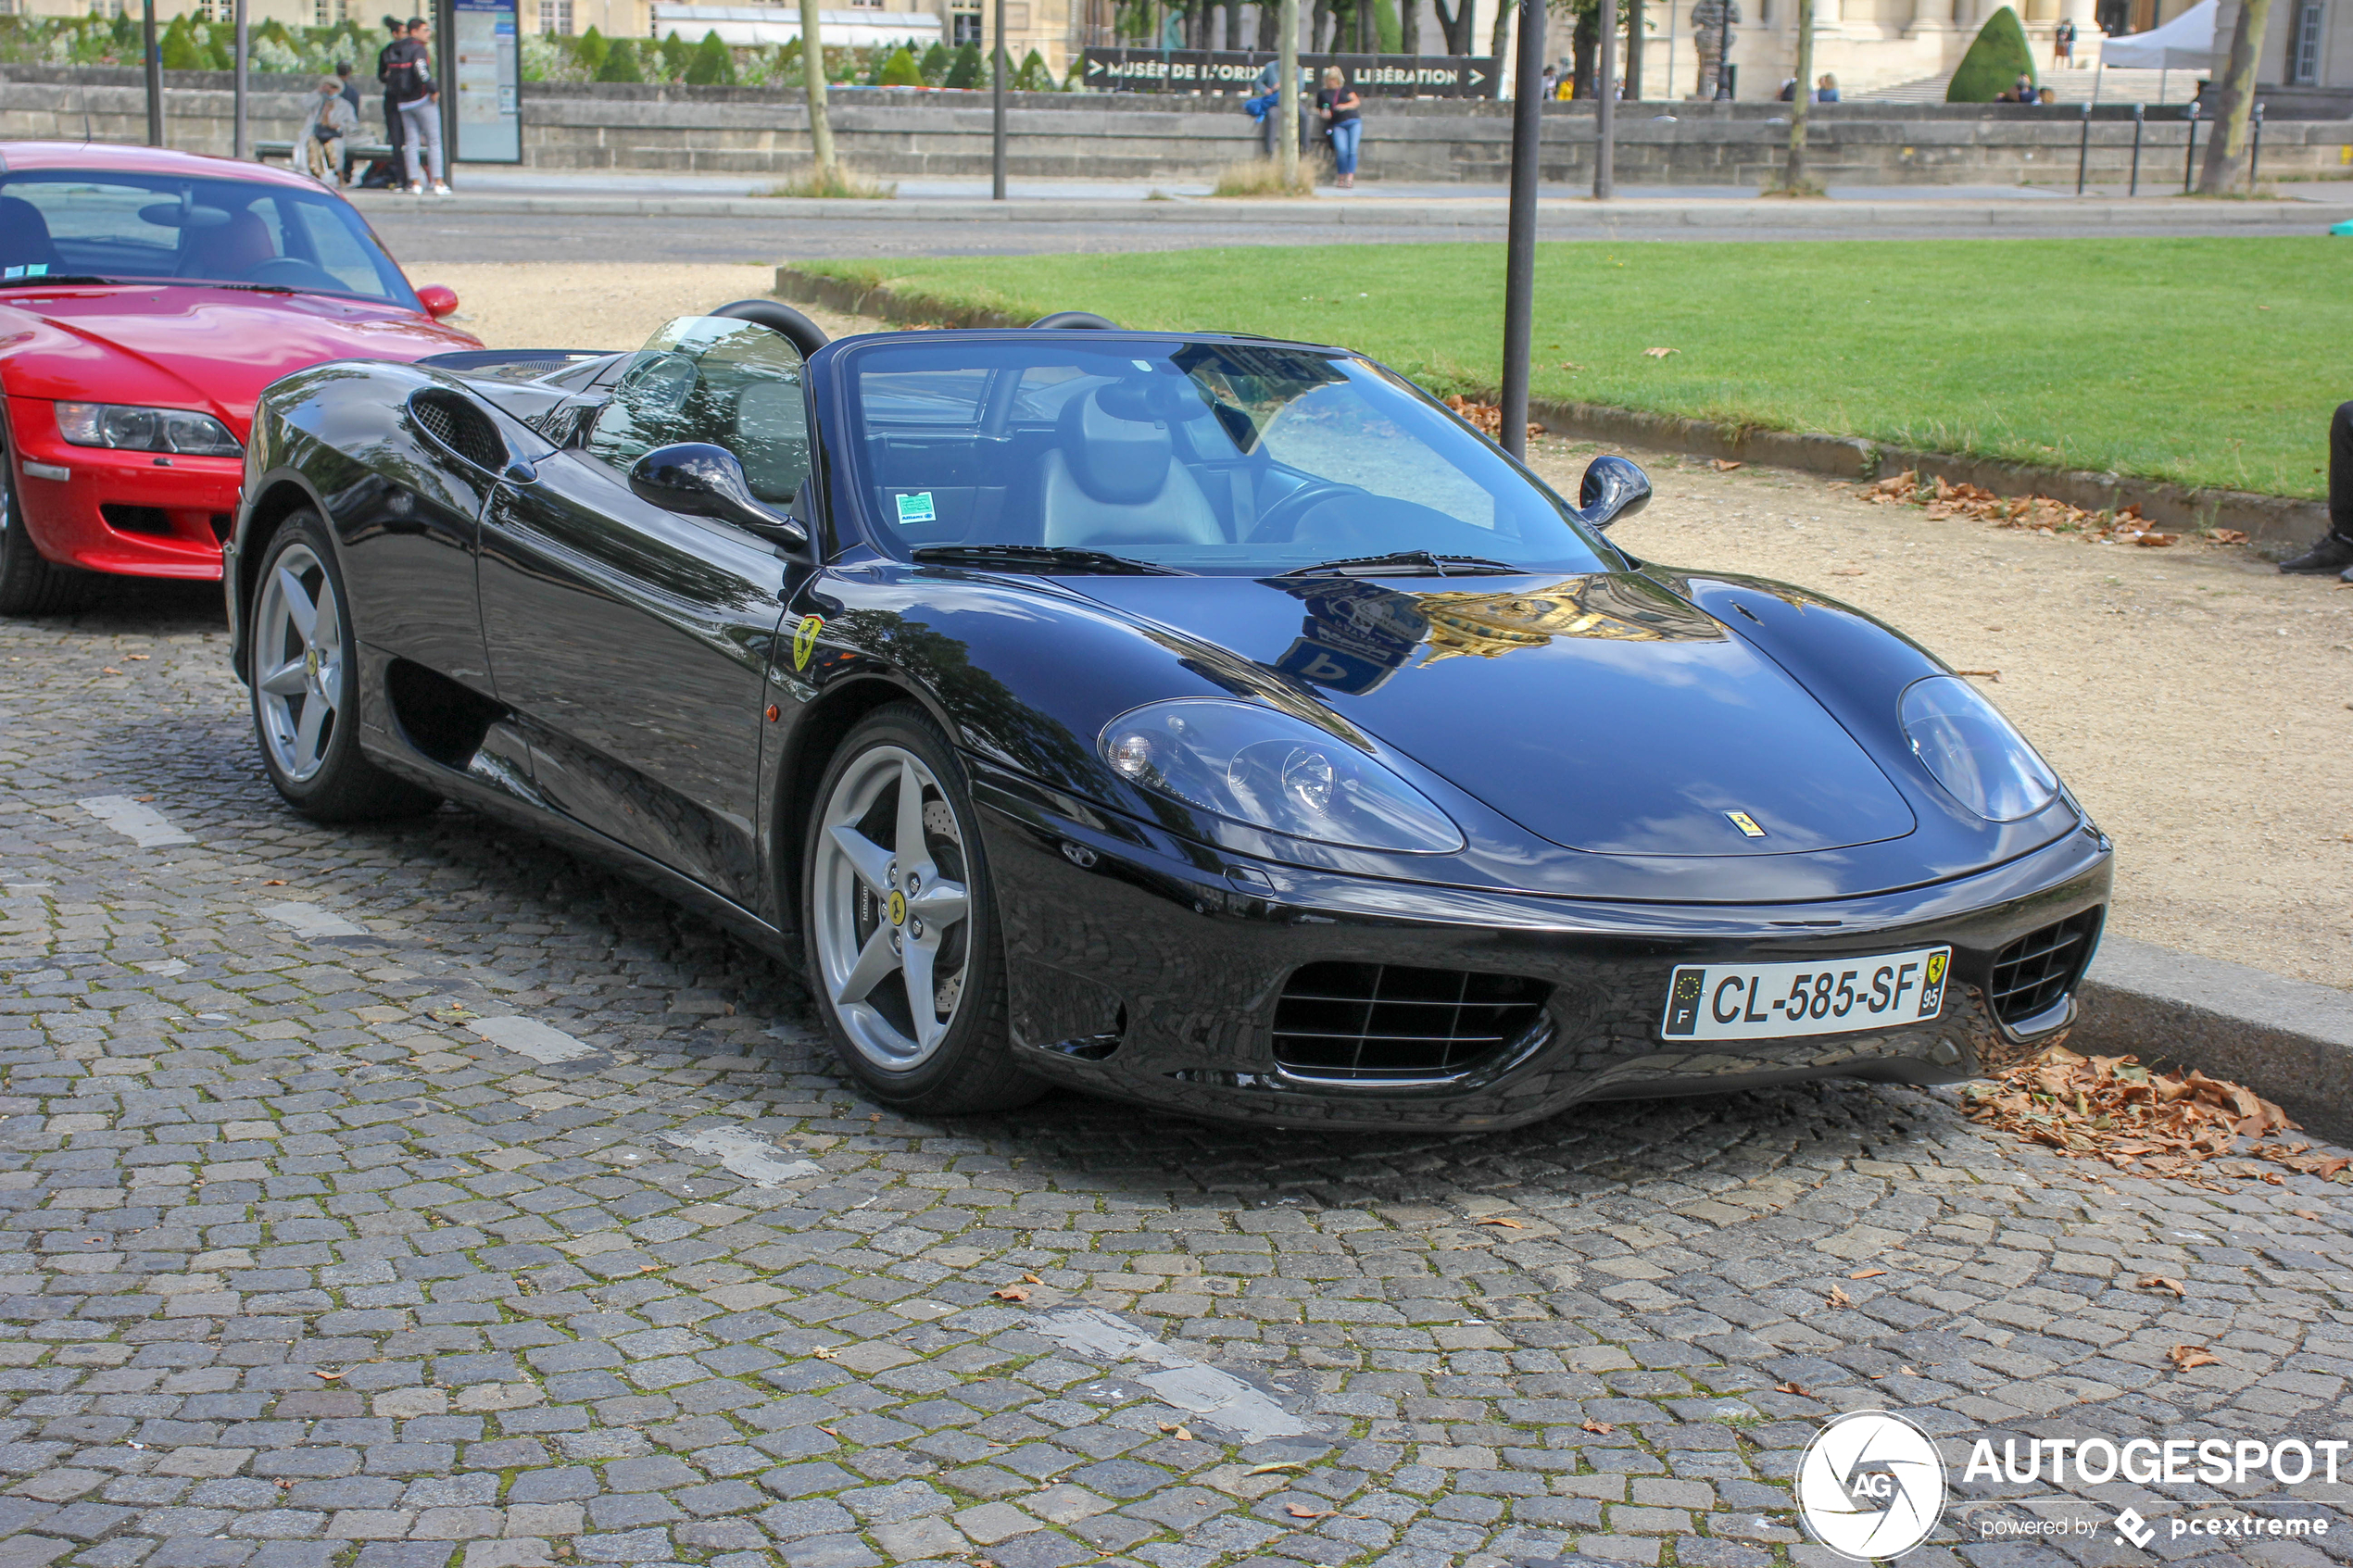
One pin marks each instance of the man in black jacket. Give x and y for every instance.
(2334, 552)
(399, 31)
(407, 78)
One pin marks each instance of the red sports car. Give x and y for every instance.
(147, 297)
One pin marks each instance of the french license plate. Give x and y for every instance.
(1773, 1001)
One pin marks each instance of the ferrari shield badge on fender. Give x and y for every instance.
(1746, 823)
(804, 639)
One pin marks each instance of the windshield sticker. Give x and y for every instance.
(37, 269)
(804, 640)
(916, 508)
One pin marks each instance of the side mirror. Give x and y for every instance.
(437, 300)
(700, 480)
(1613, 488)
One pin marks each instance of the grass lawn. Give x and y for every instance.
(2209, 361)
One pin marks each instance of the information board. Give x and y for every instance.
(1211, 71)
(486, 79)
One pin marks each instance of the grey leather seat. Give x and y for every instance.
(1110, 481)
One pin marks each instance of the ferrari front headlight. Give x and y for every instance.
(1970, 748)
(1259, 766)
(131, 428)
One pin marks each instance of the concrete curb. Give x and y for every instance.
(1557, 218)
(2289, 1041)
(2275, 521)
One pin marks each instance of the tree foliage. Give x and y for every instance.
(965, 71)
(676, 54)
(713, 64)
(934, 64)
(620, 63)
(899, 70)
(1994, 62)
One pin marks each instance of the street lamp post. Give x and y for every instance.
(997, 113)
(2140, 123)
(155, 75)
(237, 143)
(2189, 158)
(1519, 246)
(2083, 151)
(1604, 108)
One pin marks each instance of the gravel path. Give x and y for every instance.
(2185, 693)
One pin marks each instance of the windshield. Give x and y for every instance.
(732, 383)
(143, 227)
(1196, 457)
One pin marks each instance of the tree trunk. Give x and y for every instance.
(1287, 59)
(1409, 27)
(1634, 31)
(1801, 101)
(813, 68)
(1499, 41)
(2227, 151)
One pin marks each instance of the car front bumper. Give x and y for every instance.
(1150, 969)
(135, 514)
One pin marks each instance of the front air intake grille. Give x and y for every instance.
(1369, 1022)
(2033, 972)
(462, 428)
(125, 519)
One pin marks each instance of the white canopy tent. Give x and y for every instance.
(2184, 43)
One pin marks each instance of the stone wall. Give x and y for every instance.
(761, 130)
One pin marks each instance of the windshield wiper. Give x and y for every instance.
(1041, 557)
(1386, 566)
(47, 278)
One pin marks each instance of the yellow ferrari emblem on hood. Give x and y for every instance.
(1746, 823)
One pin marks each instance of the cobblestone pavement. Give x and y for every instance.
(420, 1196)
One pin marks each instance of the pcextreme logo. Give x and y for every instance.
(1871, 1486)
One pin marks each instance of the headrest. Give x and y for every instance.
(24, 234)
(1116, 451)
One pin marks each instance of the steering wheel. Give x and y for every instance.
(1278, 523)
(291, 272)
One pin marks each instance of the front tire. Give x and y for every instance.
(900, 924)
(31, 584)
(305, 675)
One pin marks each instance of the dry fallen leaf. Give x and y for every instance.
(1726, 465)
(1905, 1370)
(1296, 1511)
(1859, 1274)
(1183, 1436)
(822, 1352)
(1013, 1293)
(1792, 1388)
(2158, 1281)
(2300, 1213)
(2188, 1356)
(2111, 1108)
(111, 669)
(1270, 1469)
(326, 1376)
(1027, 1279)
(151, 656)
(1993, 675)
(1604, 1428)
(1508, 1224)
(1838, 1297)
(1660, 353)
(1849, 571)
(827, 1430)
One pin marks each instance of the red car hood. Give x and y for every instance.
(189, 346)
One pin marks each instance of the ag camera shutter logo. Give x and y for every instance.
(1871, 1486)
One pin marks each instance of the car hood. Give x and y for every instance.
(197, 345)
(1601, 712)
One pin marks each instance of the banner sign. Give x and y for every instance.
(1213, 70)
(487, 80)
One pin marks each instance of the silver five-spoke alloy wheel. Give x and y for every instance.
(297, 659)
(891, 910)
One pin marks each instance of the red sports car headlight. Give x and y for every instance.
(145, 429)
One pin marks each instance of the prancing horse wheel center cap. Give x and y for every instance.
(898, 909)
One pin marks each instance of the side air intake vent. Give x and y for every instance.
(460, 428)
(2033, 972)
(1371, 1022)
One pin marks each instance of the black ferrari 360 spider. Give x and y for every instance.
(1202, 720)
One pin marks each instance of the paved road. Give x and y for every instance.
(302, 1269)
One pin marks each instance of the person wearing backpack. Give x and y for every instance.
(406, 71)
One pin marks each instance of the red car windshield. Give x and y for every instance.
(140, 227)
